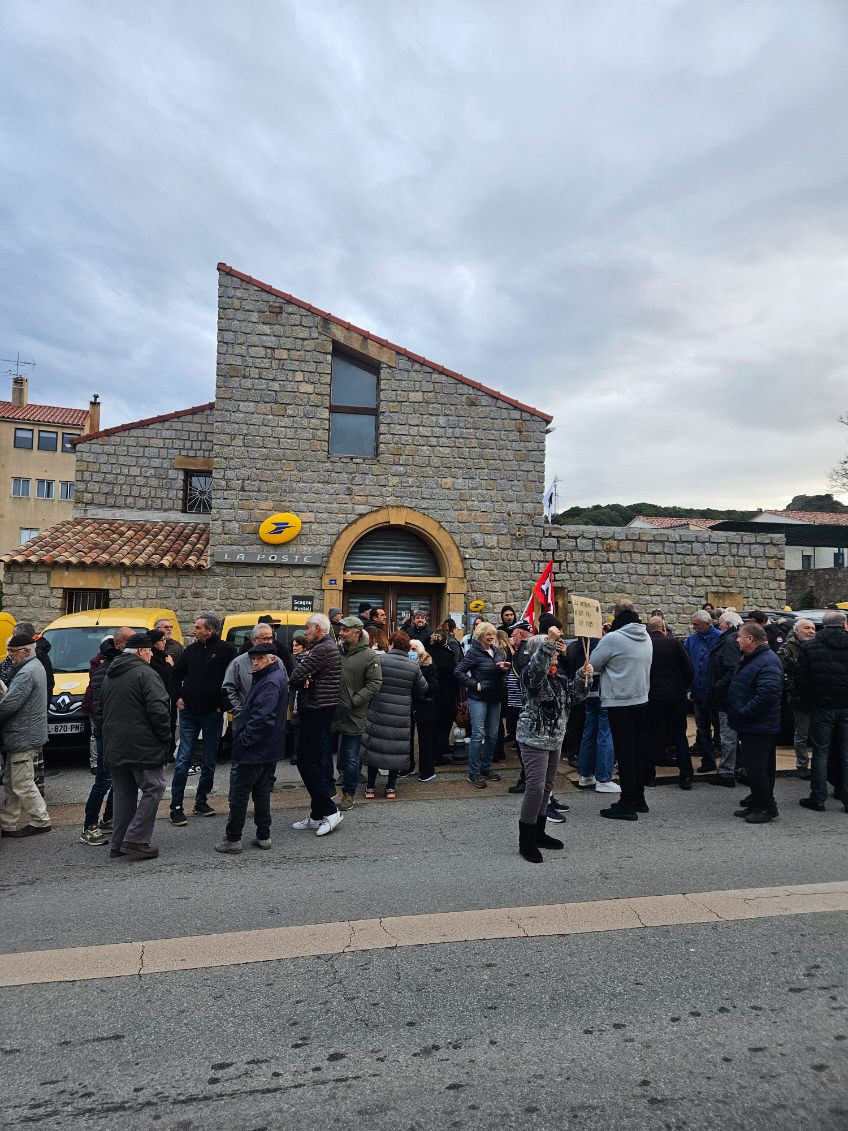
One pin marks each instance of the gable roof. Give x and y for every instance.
(44, 414)
(225, 269)
(141, 423)
(116, 542)
(810, 518)
(667, 523)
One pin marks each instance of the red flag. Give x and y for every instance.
(543, 592)
(528, 614)
(544, 589)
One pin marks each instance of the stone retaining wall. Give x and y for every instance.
(673, 570)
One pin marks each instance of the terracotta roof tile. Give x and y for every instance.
(116, 542)
(225, 269)
(815, 518)
(147, 420)
(44, 414)
(667, 523)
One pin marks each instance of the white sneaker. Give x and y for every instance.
(607, 787)
(306, 823)
(329, 823)
(586, 782)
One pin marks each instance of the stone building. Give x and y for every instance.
(414, 485)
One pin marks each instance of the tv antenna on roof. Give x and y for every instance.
(16, 361)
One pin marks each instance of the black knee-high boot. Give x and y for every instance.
(542, 838)
(527, 843)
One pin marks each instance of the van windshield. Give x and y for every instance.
(72, 649)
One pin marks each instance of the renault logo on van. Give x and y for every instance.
(279, 528)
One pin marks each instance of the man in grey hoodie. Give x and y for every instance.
(623, 660)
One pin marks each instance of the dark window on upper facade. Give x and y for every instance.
(48, 441)
(23, 437)
(67, 446)
(353, 407)
(197, 492)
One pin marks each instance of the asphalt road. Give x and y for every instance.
(717, 1025)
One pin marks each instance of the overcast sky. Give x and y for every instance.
(631, 215)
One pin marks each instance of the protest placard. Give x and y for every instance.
(586, 620)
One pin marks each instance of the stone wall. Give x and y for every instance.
(672, 570)
(130, 471)
(470, 461)
(828, 586)
(27, 593)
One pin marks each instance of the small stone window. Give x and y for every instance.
(353, 407)
(83, 600)
(197, 492)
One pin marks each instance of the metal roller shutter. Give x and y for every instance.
(392, 551)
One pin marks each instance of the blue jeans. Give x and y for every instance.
(597, 753)
(100, 787)
(190, 727)
(349, 753)
(825, 721)
(485, 723)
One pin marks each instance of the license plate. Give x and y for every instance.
(65, 728)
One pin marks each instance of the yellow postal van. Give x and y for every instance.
(74, 640)
(237, 626)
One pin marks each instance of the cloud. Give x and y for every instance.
(630, 215)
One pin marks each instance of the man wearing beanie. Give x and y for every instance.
(136, 742)
(23, 721)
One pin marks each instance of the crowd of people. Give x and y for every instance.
(350, 698)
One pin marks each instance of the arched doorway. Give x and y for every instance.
(399, 559)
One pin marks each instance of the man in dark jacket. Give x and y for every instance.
(93, 833)
(703, 637)
(259, 739)
(196, 684)
(671, 675)
(416, 628)
(136, 737)
(753, 710)
(318, 673)
(361, 679)
(725, 658)
(821, 681)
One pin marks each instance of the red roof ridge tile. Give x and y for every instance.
(143, 423)
(225, 269)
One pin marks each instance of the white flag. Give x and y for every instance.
(548, 501)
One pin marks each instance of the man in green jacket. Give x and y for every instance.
(362, 678)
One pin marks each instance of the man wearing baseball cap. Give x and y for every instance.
(23, 720)
(136, 744)
(362, 678)
(259, 740)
